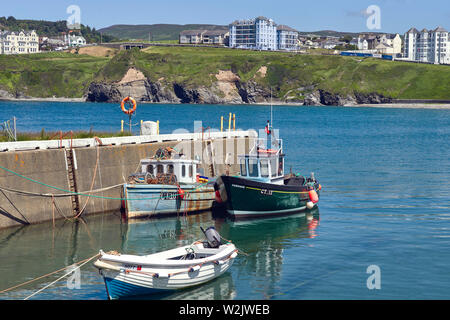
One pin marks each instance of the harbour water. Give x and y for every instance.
(385, 202)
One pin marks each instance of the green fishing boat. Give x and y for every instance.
(262, 188)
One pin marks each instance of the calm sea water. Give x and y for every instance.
(386, 202)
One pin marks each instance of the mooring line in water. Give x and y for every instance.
(65, 275)
(71, 193)
(47, 275)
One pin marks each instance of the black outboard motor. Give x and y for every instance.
(212, 237)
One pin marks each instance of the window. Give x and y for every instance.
(191, 171)
(170, 169)
(264, 167)
(183, 170)
(243, 167)
(159, 168)
(150, 169)
(273, 167)
(252, 167)
(280, 166)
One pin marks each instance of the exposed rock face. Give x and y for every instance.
(228, 89)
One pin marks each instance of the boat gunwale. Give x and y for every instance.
(224, 253)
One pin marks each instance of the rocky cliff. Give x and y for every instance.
(226, 89)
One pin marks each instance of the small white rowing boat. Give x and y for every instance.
(179, 268)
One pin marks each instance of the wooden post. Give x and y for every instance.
(234, 122)
(157, 127)
(121, 125)
(142, 122)
(229, 122)
(221, 124)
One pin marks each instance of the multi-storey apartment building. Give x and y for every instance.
(19, 42)
(287, 38)
(432, 46)
(259, 33)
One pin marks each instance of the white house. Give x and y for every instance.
(74, 41)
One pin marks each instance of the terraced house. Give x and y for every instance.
(19, 42)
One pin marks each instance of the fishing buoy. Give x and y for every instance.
(320, 187)
(313, 196)
(310, 205)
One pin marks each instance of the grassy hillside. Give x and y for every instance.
(49, 74)
(195, 66)
(157, 31)
(69, 75)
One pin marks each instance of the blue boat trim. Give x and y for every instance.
(117, 289)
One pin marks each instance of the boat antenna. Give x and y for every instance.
(271, 125)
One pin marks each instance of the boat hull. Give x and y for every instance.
(144, 200)
(130, 275)
(246, 198)
(122, 284)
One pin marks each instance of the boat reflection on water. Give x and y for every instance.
(262, 242)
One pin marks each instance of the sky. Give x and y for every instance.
(395, 16)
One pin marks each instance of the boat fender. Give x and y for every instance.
(313, 196)
(310, 205)
(320, 187)
(233, 255)
(180, 193)
(219, 262)
(218, 197)
(194, 268)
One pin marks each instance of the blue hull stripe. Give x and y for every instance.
(118, 289)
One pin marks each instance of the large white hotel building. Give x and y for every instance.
(431, 46)
(19, 42)
(262, 33)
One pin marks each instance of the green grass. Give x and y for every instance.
(69, 75)
(49, 74)
(55, 135)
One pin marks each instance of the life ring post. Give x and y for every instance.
(130, 111)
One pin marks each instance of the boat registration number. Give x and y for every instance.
(266, 192)
(168, 195)
(133, 267)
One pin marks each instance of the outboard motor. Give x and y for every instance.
(212, 237)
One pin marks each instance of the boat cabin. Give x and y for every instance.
(185, 170)
(265, 167)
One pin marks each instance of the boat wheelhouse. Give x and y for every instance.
(166, 186)
(265, 165)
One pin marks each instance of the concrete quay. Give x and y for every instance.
(35, 175)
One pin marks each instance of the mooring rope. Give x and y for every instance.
(70, 193)
(47, 275)
(65, 275)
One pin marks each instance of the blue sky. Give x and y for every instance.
(311, 15)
